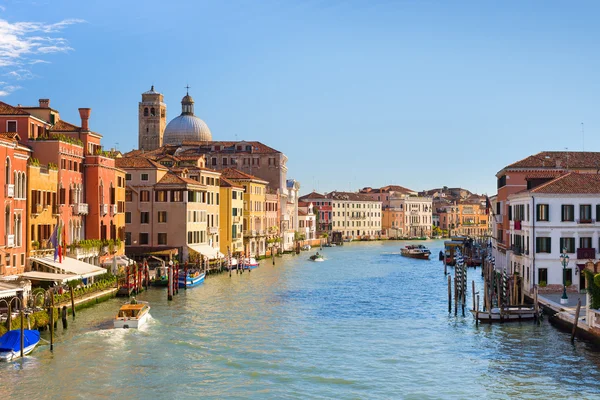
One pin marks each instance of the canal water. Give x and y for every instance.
(365, 324)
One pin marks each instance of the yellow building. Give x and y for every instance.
(42, 207)
(118, 209)
(254, 217)
(231, 214)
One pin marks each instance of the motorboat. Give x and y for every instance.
(306, 247)
(250, 263)
(133, 314)
(193, 278)
(506, 314)
(10, 343)
(416, 251)
(317, 257)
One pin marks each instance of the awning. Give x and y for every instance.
(149, 250)
(9, 289)
(70, 266)
(121, 261)
(50, 276)
(206, 250)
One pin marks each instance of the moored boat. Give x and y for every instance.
(193, 278)
(505, 314)
(10, 343)
(250, 263)
(416, 251)
(133, 314)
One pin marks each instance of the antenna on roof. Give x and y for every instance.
(583, 136)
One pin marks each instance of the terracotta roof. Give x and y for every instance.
(234, 174)
(7, 109)
(137, 162)
(349, 196)
(170, 178)
(571, 183)
(227, 183)
(257, 147)
(64, 126)
(303, 203)
(302, 213)
(10, 136)
(559, 160)
(313, 195)
(544, 174)
(387, 189)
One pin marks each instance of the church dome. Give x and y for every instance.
(186, 127)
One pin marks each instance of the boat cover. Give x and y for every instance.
(11, 340)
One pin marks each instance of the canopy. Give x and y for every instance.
(9, 289)
(70, 266)
(11, 340)
(50, 276)
(121, 261)
(206, 250)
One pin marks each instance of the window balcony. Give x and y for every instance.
(114, 209)
(586, 253)
(586, 221)
(37, 208)
(103, 209)
(516, 250)
(80, 209)
(10, 240)
(10, 190)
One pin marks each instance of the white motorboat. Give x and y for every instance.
(132, 315)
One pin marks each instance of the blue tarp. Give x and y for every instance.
(11, 340)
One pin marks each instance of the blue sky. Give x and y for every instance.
(355, 93)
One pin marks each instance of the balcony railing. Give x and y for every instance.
(80, 208)
(516, 250)
(10, 190)
(103, 209)
(10, 240)
(586, 253)
(586, 221)
(114, 209)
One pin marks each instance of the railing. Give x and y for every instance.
(10, 190)
(10, 240)
(36, 208)
(114, 209)
(103, 209)
(585, 221)
(586, 253)
(516, 250)
(80, 208)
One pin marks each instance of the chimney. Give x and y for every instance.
(44, 103)
(84, 113)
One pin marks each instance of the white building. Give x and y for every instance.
(289, 213)
(356, 215)
(557, 216)
(418, 214)
(307, 221)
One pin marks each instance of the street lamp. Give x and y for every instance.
(564, 260)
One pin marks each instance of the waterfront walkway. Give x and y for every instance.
(566, 312)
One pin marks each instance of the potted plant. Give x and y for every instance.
(542, 284)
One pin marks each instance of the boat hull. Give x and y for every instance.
(11, 355)
(422, 256)
(132, 323)
(10, 344)
(191, 282)
(508, 315)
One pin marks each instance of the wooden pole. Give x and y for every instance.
(536, 304)
(576, 321)
(449, 294)
(485, 294)
(185, 273)
(51, 309)
(477, 311)
(170, 283)
(63, 316)
(72, 301)
(455, 292)
(9, 320)
(22, 331)
(473, 292)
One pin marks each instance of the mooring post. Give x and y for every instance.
(72, 301)
(9, 319)
(576, 320)
(449, 294)
(473, 292)
(170, 283)
(63, 316)
(477, 311)
(51, 309)
(22, 331)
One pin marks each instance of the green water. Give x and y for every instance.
(365, 324)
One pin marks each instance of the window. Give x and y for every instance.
(144, 177)
(162, 238)
(128, 195)
(543, 276)
(543, 245)
(144, 217)
(162, 216)
(585, 242)
(11, 126)
(585, 213)
(127, 238)
(143, 238)
(145, 111)
(177, 195)
(127, 177)
(214, 161)
(160, 195)
(127, 217)
(144, 196)
(567, 212)
(542, 212)
(567, 244)
(224, 162)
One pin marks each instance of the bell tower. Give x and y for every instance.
(152, 114)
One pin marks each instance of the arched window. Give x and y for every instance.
(101, 192)
(7, 174)
(16, 181)
(7, 219)
(146, 112)
(23, 185)
(152, 112)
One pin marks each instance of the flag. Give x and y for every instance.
(58, 248)
(64, 244)
(54, 241)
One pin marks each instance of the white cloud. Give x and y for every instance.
(25, 43)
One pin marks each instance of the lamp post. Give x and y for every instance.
(564, 260)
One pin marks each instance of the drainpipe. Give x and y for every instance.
(533, 237)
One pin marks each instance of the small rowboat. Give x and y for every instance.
(505, 314)
(10, 343)
(193, 278)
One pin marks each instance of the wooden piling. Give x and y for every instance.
(72, 301)
(536, 304)
(449, 294)
(22, 331)
(170, 283)
(473, 292)
(185, 272)
(455, 294)
(576, 321)
(64, 317)
(477, 311)
(9, 320)
(51, 311)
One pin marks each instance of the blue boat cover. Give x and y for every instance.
(11, 340)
